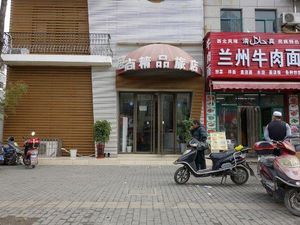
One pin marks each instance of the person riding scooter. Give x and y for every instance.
(198, 132)
(11, 152)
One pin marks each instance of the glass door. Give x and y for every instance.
(148, 121)
(183, 111)
(167, 123)
(145, 123)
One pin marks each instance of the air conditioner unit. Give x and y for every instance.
(290, 18)
(19, 51)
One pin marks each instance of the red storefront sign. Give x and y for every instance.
(252, 56)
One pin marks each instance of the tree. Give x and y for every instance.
(13, 93)
(2, 18)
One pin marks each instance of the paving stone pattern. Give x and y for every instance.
(135, 195)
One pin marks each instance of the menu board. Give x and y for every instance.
(218, 141)
(293, 110)
(211, 112)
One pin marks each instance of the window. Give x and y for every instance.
(231, 20)
(265, 21)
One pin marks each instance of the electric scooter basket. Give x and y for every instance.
(264, 148)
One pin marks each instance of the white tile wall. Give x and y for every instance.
(244, 3)
(266, 3)
(231, 3)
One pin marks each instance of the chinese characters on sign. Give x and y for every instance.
(252, 54)
(218, 141)
(161, 62)
(242, 57)
(293, 110)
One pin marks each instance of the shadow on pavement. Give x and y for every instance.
(12, 220)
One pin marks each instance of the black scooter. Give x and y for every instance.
(232, 163)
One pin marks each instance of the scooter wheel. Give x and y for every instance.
(292, 201)
(240, 175)
(26, 162)
(182, 175)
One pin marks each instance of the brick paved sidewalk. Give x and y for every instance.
(123, 194)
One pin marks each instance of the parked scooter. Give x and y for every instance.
(12, 154)
(231, 163)
(31, 147)
(279, 170)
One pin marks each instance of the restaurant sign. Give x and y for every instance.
(160, 62)
(252, 55)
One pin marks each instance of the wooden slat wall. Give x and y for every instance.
(52, 16)
(58, 104)
(192, 84)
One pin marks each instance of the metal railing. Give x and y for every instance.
(50, 147)
(57, 43)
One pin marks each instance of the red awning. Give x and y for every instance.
(251, 85)
(158, 57)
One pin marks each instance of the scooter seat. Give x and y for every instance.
(221, 155)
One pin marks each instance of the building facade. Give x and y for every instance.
(252, 66)
(134, 63)
(137, 64)
(50, 48)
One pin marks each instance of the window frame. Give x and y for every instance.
(265, 20)
(231, 19)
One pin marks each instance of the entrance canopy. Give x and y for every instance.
(158, 57)
(238, 85)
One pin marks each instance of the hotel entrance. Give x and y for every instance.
(148, 122)
(158, 86)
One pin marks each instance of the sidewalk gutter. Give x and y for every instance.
(131, 159)
(108, 161)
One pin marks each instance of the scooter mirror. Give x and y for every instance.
(32, 133)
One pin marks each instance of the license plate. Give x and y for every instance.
(33, 156)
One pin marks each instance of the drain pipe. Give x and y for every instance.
(294, 5)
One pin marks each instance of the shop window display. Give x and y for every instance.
(227, 122)
(247, 99)
(242, 115)
(271, 100)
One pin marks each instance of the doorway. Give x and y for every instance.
(149, 121)
(248, 125)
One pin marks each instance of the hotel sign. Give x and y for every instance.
(159, 62)
(252, 55)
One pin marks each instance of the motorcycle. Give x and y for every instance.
(279, 172)
(11, 153)
(231, 163)
(31, 147)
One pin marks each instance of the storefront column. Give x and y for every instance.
(105, 103)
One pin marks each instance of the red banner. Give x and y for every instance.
(252, 56)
